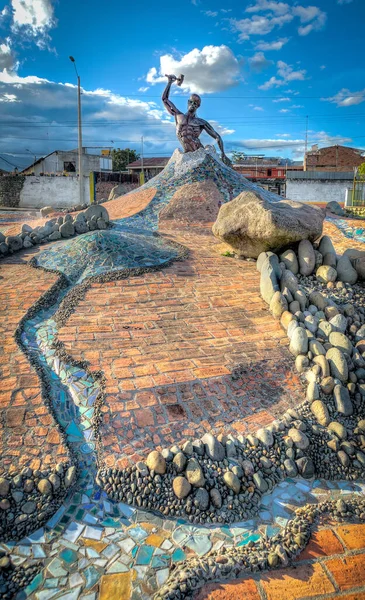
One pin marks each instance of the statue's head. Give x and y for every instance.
(193, 103)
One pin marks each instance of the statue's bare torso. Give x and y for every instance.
(188, 130)
(188, 125)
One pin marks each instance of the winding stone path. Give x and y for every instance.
(332, 566)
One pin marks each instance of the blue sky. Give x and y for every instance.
(261, 67)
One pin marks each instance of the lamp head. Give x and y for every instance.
(72, 59)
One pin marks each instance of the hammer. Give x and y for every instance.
(179, 80)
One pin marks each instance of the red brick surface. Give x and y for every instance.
(166, 343)
(28, 433)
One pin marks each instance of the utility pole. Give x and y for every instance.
(81, 178)
(306, 143)
(142, 160)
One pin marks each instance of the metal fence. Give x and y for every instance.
(358, 192)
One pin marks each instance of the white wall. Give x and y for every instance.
(59, 192)
(306, 190)
(54, 163)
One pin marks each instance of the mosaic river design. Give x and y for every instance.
(90, 537)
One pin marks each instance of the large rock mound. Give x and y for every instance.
(251, 224)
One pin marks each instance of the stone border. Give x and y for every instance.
(55, 229)
(276, 553)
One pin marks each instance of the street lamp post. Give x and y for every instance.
(81, 182)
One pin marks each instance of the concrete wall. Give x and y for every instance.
(59, 192)
(324, 191)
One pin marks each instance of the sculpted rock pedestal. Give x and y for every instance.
(251, 224)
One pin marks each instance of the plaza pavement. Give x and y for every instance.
(166, 343)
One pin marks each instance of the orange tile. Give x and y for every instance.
(244, 589)
(322, 543)
(305, 581)
(353, 536)
(348, 572)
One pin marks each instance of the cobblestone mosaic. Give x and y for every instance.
(353, 230)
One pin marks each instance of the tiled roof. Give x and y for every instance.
(155, 161)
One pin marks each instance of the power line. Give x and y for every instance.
(159, 123)
(8, 162)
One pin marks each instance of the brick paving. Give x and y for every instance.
(166, 343)
(28, 433)
(340, 241)
(331, 566)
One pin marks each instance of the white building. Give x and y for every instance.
(67, 161)
(318, 187)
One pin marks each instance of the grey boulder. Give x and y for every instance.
(98, 211)
(345, 270)
(268, 281)
(67, 229)
(338, 364)
(14, 242)
(289, 258)
(342, 400)
(251, 224)
(213, 448)
(335, 208)
(299, 342)
(307, 257)
(326, 246)
(80, 226)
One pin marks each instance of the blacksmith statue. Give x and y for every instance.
(188, 125)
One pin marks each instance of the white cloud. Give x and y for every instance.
(346, 98)
(297, 106)
(284, 110)
(8, 98)
(212, 69)
(258, 25)
(259, 108)
(255, 143)
(222, 130)
(280, 8)
(210, 13)
(322, 67)
(287, 73)
(33, 18)
(143, 89)
(277, 15)
(277, 45)
(312, 15)
(281, 100)
(344, 1)
(259, 63)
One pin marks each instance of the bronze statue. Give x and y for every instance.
(188, 125)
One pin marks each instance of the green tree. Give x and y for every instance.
(122, 157)
(361, 171)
